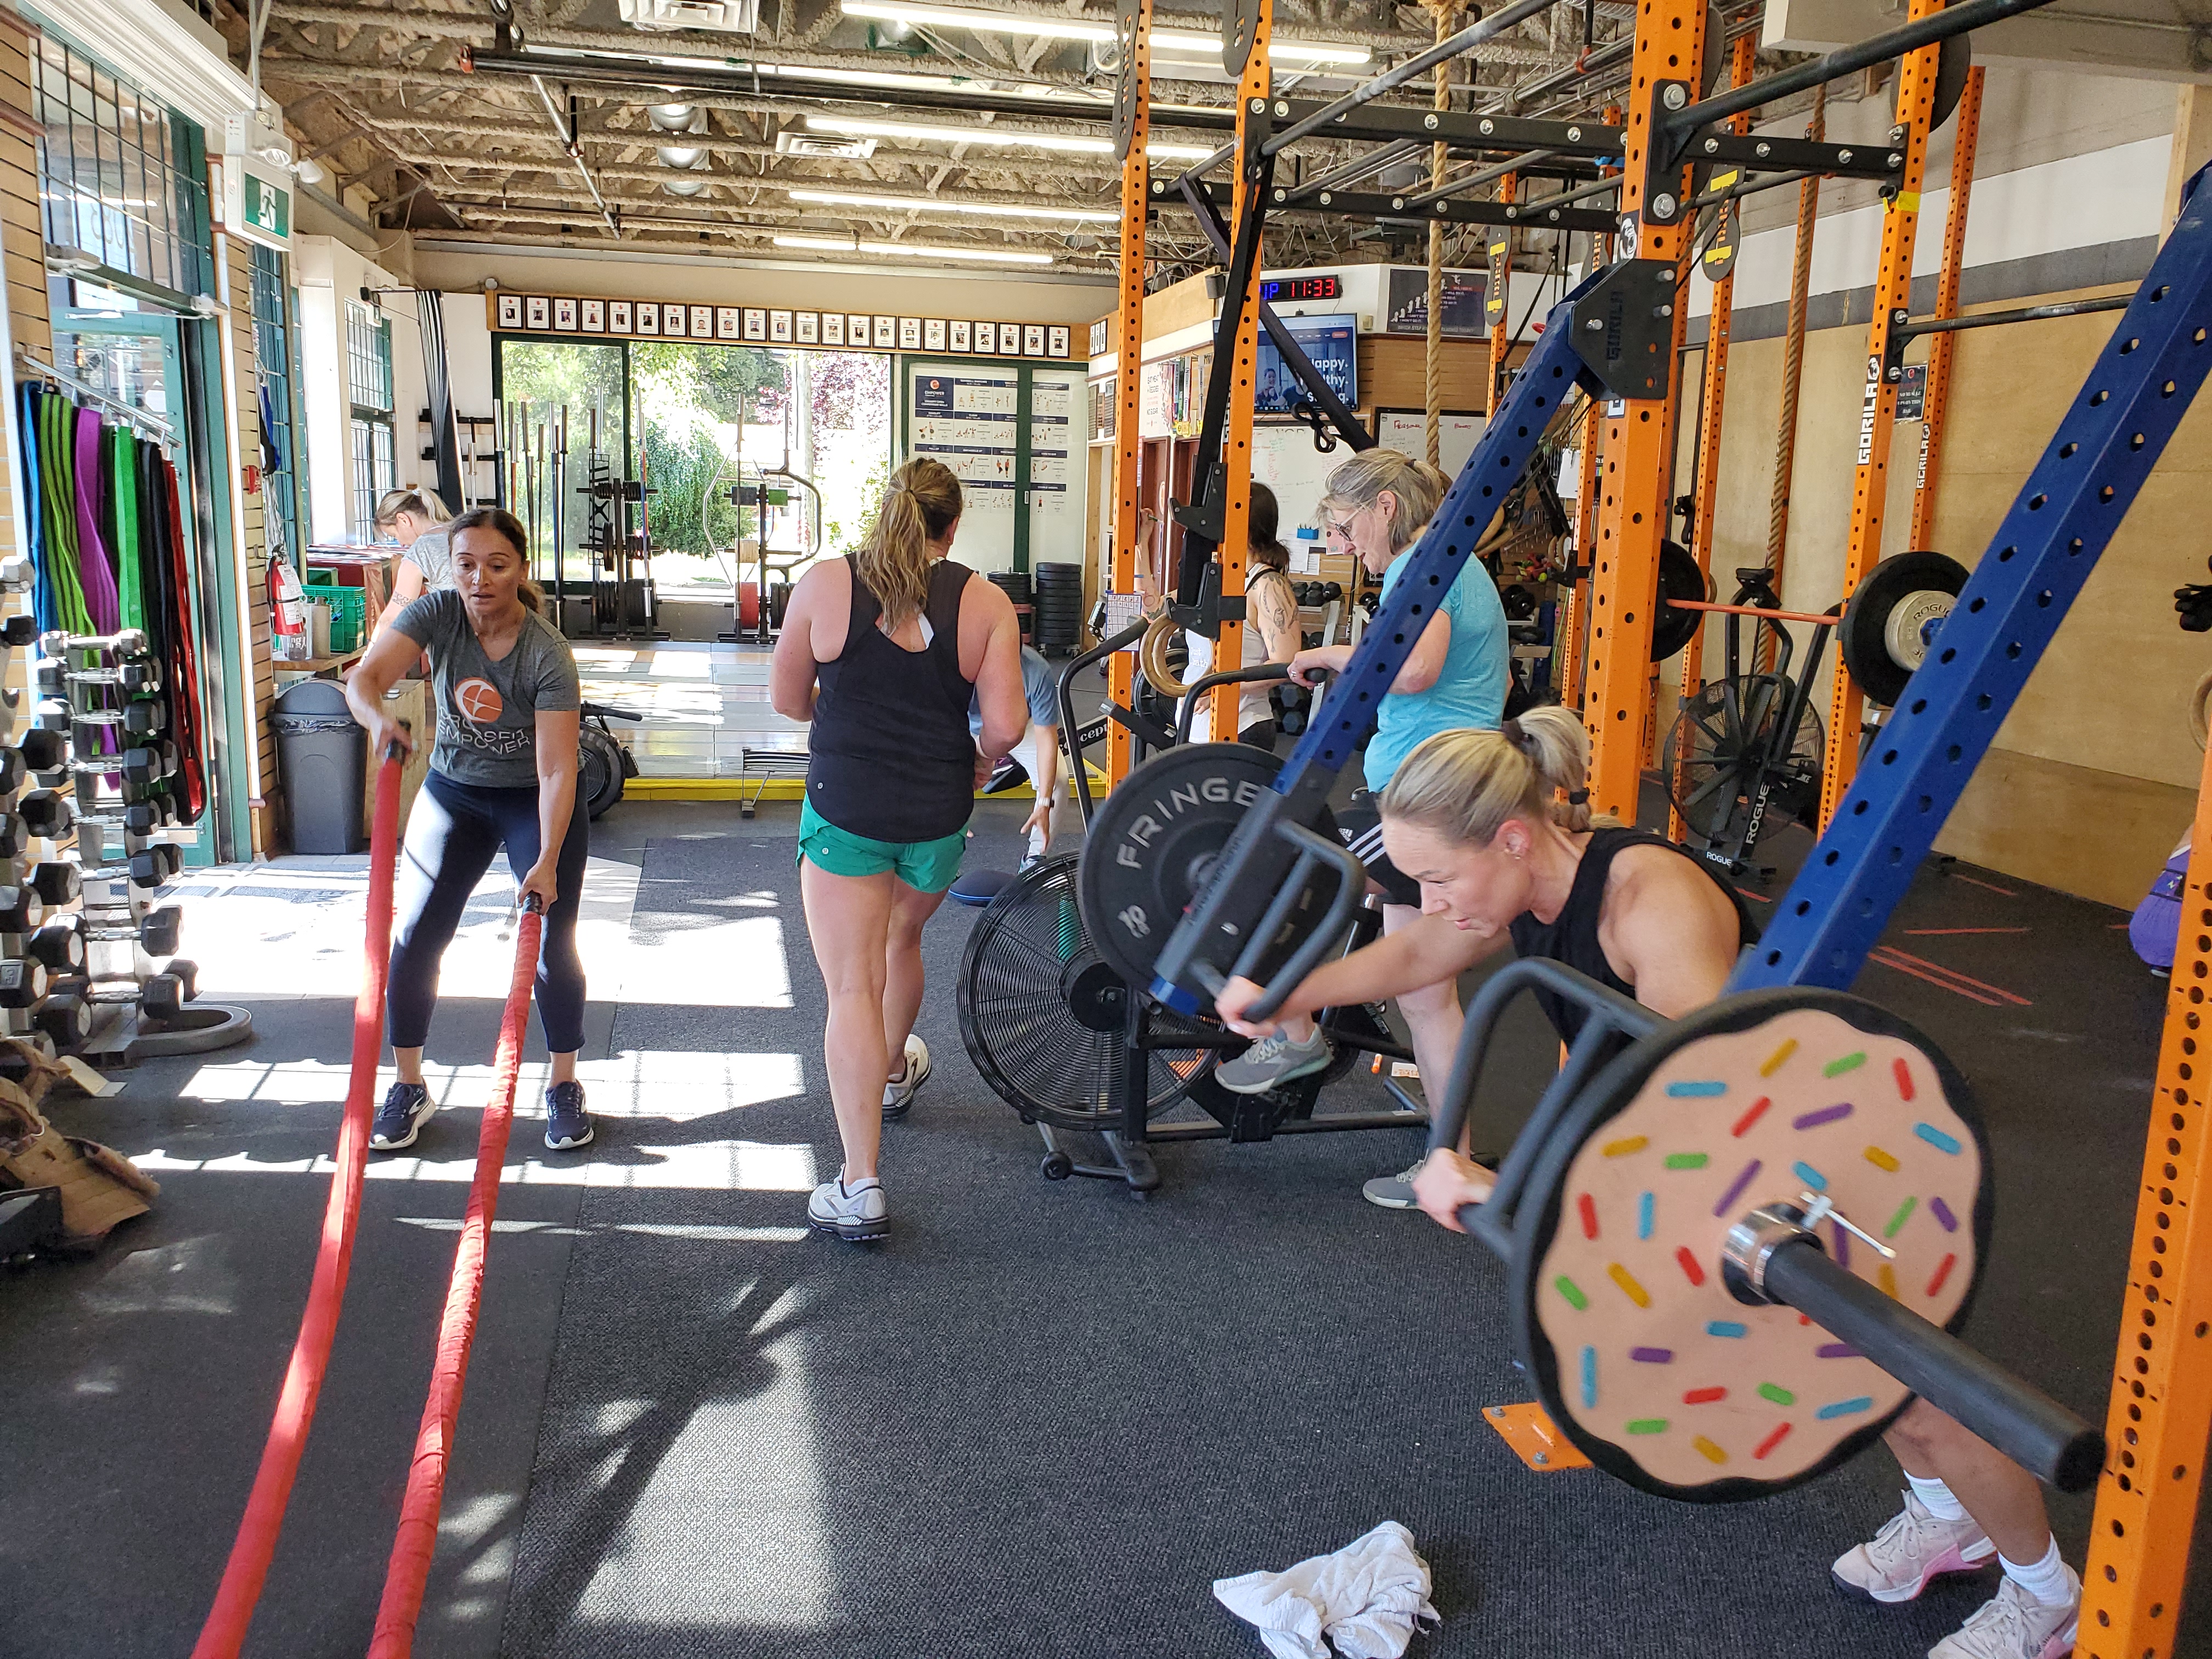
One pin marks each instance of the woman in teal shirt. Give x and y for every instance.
(1377, 505)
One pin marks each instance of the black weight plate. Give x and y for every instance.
(1678, 579)
(1953, 62)
(1882, 634)
(1026, 956)
(1617, 1301)
(1153, 843)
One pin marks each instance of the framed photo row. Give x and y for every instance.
(671, 319)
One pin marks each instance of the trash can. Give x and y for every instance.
(322, 752)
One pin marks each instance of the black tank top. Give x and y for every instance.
(1571, 938)
(891, 757)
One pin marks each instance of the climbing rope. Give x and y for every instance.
(1793, 364)
(1447, 14)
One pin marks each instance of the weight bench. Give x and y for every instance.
(758, 767)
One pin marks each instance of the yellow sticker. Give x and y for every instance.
(1908, 201)
(1723, 180)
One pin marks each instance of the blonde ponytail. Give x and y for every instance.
(1467, 783)
(921, 507)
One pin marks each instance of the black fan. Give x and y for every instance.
(1027, 978)
(1727, 739)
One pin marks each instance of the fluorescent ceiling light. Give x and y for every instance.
(1177, 41)
(951, 205)
(842, 244)
(999, 136)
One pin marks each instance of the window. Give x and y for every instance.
(273, 345)
(118, 172)
(368, 384)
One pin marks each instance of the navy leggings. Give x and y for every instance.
(452, 834)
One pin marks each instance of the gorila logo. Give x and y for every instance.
(1866, 413)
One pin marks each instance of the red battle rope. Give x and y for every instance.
(417, 1537)
(224, 1633)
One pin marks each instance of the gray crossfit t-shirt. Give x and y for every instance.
(433, 554)
(487, 710)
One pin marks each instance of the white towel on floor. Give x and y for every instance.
(1367, 1598)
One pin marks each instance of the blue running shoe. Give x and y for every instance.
(407, 1107)
(567, 1126)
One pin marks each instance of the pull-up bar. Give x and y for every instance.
(1466, 40)
(2023, 314)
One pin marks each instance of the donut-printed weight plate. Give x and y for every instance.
(1639, 1352)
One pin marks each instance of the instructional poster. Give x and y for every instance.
(968, 423)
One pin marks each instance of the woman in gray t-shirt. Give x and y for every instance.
(416, 518)
(502, 775)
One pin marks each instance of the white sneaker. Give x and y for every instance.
(858, 1213)
(1909, 1552)
(898, 1096)
(2014, 1625)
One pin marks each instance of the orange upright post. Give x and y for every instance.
(1892, 293)
(2161, 1413)
(1134, 123)
(1253, 88)
(1707, 488)
(1632, 505)
(1938, 389)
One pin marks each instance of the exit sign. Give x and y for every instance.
(256, 202)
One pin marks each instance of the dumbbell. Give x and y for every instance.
(142, 716)
(56, 881)
(21, 909)
(45, 813)
(159, 929)
(14, 835)
(142, 765)
(137, 817)
(52, 715)
(22, 981)
(16, 575)
(65, 1017)
(161, 999)
(43, 750)
(52, 677)
(155, 866)
(141, 679)
(60, 944)
(19, 630)
(186, 973)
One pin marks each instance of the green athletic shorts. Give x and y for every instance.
(927, 866)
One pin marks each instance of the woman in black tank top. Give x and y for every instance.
(1495, 828)
(882, 653)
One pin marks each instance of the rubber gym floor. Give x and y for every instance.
(1040, 1421)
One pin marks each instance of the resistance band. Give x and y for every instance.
(418, 1536)
(224, 1633)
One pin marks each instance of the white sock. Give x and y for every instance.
(2047, 1580)
(1936, 1497)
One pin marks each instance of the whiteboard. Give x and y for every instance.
(1408, 432)
(1285, 459)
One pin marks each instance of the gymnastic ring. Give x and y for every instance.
(1152, 656)
(2198, 726)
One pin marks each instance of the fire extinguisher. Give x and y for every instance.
(288, 608)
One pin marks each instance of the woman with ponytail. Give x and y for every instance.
(882, 653)
(1495, 829)
(1495, 826)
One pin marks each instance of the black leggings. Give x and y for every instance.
(452, 834)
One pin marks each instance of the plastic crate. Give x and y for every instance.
(349, 610)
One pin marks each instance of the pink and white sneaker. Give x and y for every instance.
(1909, 1552)
(2014, 1625)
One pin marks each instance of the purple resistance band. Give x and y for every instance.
(95, 572)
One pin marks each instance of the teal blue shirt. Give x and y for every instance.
(1471, 689)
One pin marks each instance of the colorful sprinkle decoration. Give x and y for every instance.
(1941, 1211)
(1689, 1090)
(1736, 1188)
(1935, 1137)
(1691, 1270)
(1590, 1378)
(1643, 1205)
(1710, 1452)
(1688, 1160)
(1845, 1063)
(1811, 1176)
(1837, 1351)
(1943, 1273)
(1883, 1160)
(1704, 1396)
(1634, 1292)
(1825, 1115)
(1652, 1356)
(1758, 1110)
(1771, 1441)
(1903, 1214)
(1622, 1148)
(1885, 1276)
(1726, 1328)
(1778, 1394)
(1775, 1062)
(1836, 1408)
(1587, 1208)
(1648, 1426)
(1843, 1246)
(1573, 1292)
(1903, 1073)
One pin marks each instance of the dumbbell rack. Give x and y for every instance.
(115, 990)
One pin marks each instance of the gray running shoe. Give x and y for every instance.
(1395, 1192)
(1271, 1062)
(898, 1098)
(857, 1211)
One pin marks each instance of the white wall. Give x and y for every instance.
(329, 274)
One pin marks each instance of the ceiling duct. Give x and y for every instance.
(726, 16)
(793, 141)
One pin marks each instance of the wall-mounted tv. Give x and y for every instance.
(1332, 341)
